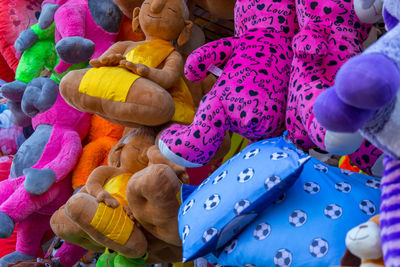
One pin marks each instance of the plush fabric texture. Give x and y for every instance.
(74, 18)
(102, 137)
(330, 33)
(263, 35)
(15, 17)
(60, 155)
(306, 226)
(377, 98)
(255, 189)
(389, 218)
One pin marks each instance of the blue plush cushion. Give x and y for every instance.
(308, 226)
(235, 194)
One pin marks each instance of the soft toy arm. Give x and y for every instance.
(98, 178)
(113, 55)
(93, 155)
(70, 20)
(213, 53)
(166, 77)
(67, 157)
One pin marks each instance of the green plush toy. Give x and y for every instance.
(114, 259)
(39, 53)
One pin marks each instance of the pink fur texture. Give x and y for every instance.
(249, 97)
(73, 18)
(330, 33)
(61, 153)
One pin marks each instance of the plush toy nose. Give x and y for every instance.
(157, 6)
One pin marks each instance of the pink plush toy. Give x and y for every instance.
(330, 34)
(249, 97)
(38, 184)
(85, 29)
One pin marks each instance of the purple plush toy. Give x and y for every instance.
(249, 97)
(366, 97)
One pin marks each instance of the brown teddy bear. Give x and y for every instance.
(139, 83)
(138, 192)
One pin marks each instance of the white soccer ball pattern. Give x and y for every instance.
(297, 218)
(188, 206)
(271, 182)
(185, 233)
(245, 175)
(343, 187)
(209, 234)
(319, 247)
(279, 155)
(333, 211)
(321, 168)
(311, 187)
(367, 206)
(262, 231)
(283, 258)
(231, 246)
(240, 206)
(212, 202)
(251, 153)
(219, 178)
(373, 183)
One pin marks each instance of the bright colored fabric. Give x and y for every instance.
(97, 82)
(249, 97)
(120, 231)
(117, 185)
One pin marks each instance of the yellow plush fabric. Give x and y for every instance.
(120, 230)
(97, 82)
(113, 83)
(116, 186)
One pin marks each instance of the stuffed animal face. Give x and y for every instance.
(368, 11)
(130, 153)
(164, 19)
(364, 241)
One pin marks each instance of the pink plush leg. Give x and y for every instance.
(30, 233)
(8, 187)
(69, 254)
(21, 204)
(198, 142)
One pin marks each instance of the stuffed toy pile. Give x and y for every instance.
(107, 102)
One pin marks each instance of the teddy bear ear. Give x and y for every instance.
(184, 36)
(114, 157)
(135, 20)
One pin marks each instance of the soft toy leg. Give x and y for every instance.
(390, 212)
(20, 204)
(196, 144)
(7, 188)
(144, 203)
(69, 254)
(29, 235)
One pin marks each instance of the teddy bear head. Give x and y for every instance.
(130, 153)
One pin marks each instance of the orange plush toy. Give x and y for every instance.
(103, 136)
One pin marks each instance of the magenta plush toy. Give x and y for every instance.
(249, 97)
(38, 183)
(84, 28)
(330, 34)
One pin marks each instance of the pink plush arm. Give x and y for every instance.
(70, 20)
(67, 157)
(213, 53)
(54, 2)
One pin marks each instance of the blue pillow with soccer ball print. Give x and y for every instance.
(308, 226)
(235, 194)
